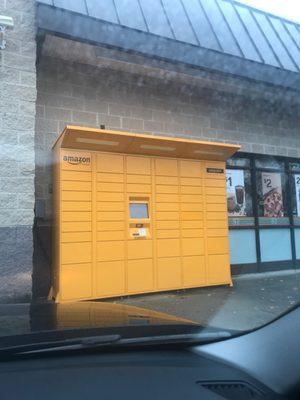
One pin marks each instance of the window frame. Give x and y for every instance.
(287, 188)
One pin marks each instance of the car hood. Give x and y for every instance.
(16, 319)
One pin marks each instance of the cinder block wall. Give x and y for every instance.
(17, 131)
(70, 93)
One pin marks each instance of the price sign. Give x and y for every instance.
(297, 190)
(272, 194)
(235, 184)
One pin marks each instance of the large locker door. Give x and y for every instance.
(218, 264)
(168, 247)
(76, 226)
(110, 226)
(139, 249)
(191, 199)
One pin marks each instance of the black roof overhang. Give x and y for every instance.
(94, 31)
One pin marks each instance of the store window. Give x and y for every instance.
(239, 193)
(295, 191)
(263, 203)
(271, 192)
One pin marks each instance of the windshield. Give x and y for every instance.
(150, 165)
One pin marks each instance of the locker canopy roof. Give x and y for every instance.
(82, 138)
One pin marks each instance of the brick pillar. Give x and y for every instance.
(17, 127)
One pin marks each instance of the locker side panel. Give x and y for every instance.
(217, 244)
(192, 222)
(76, 237)
(56, 225)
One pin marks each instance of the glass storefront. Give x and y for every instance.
(263, 204)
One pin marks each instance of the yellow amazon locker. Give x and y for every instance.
(136, 213)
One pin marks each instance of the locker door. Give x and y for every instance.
(140, 263)
(192, 233)
(218, 264)
(167, 211)
(76, 228)
(110, 241)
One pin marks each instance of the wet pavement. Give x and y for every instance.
(252, 301)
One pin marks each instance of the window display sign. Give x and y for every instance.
(297, 191)
(272, 195)
(235, 182)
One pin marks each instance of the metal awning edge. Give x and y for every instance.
(98, 32)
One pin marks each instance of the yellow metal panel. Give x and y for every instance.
(110, 187)
(216, 215)
(110, 163)
(106, 177)
(190, 168)
(110, 235)
(84, 176)
(107, 196)
(169, 273)
(76, 196)
(192, 246)
(191, 181)
(214, 183)
(191, 206)
(194, 272)
(73, 216)
(78, 186)
(138, 188)
(167, 206)
(110, 225)
(76, 226)
(191, 215)
(167, 233)
(138, 179)
(167, 198)
(166, 224)
(218, 269)
(215, 223)
(215, 191)
(110, 216)
(164, 166)
(192, 224)
(166, 189)
(139, 248)
(110, 206)
(215, 199)
(74, 253)
(216, 207)
(191, 198)
(76, 206)
(191, 189)
(166, 180)
(110, 278)
(110, 251)
(76, 237)
(217, 245)
(76, 282)
(192, 233)
(138, 165)
(217, 232)
(168, 247)
(140, 276)
(167, 215)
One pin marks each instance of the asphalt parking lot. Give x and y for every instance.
(252, 301)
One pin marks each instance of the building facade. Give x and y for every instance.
(242, 86)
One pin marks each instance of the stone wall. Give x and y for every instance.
(77, 94)
(17, 131)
